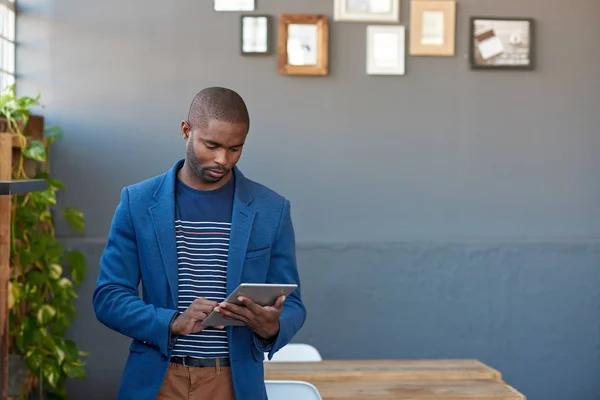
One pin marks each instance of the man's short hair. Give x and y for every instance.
(220, 104)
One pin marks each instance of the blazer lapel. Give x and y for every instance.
(242, 218)
(163, 217)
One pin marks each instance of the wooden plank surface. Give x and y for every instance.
(5, 174)
(405, 370)
(453, 389)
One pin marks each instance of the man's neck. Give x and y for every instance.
(187, 176)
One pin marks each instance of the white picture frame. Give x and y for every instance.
(386, 50)
(234, 5)
(380, 11)
(255, 34)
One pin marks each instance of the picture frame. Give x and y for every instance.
(255, 34)
(386, 50)
(303, 44)
(433, 28)
(501, 43)
(380, 11)
(234, 5)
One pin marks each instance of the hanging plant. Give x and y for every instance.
(44, 275)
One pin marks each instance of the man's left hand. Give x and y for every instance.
(264, 321)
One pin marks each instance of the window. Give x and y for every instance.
(7, 43)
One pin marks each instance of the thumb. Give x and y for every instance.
(279, 302)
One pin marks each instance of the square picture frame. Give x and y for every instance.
(386, 50)
(234, 5)
(497, 43)
(433, 28)
(303, 44)
(256, 34)
(380, 11)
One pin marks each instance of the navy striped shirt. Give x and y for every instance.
(203, 225)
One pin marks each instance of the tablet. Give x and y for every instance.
(263, 294)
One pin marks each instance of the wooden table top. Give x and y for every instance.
(454, 389)
(380, 370)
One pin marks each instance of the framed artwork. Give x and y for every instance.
(366, 10)
(255, 35)
(303, 44)
(501, 43)
(432, 27)
(386, 50)
(234, 5)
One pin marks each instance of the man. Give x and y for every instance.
(190, 236)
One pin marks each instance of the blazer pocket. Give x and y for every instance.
(258, 252)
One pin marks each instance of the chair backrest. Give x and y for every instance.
(295, 352)
(291, 390)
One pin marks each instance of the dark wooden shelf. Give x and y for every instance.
(21, 187)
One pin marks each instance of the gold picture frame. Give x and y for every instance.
(433, 28)
(303, 44)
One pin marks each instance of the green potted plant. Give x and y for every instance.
(44, 275)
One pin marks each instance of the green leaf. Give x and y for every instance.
(64, 283)
(54, 250)
(37, 278)
(55, 271)
(51, 373)
(59, 349)
(45, 313)
(53, 134)
(47, 197)
(71, 351)
(13, 294)
(27, 215)
(55, 184)
(36, 151)
(33, 358)
(45, 216)
(77, 264)
(27, 257)
(74, 371)
(75, 218)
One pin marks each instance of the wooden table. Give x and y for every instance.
(397, 379)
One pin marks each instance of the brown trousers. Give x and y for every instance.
(196, 383)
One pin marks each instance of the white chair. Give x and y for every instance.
(291, 390)
(296, 352)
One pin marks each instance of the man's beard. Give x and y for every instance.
(199, 171)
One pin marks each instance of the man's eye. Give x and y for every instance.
(235, 150)
(210, 146)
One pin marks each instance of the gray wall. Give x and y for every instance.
(445, 213)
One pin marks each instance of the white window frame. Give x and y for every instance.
(8, 43)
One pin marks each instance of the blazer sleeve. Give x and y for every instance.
(116, 300)
(284, 269)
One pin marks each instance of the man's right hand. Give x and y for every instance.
(190, 321)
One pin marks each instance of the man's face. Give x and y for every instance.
(213, 150)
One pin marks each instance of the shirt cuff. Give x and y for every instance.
(173, 338)
(263, 345)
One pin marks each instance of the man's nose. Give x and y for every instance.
(221, 157)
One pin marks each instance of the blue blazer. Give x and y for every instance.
(141, 249)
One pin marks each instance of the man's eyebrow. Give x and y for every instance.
(213, 143)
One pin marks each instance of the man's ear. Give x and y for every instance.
(186, 130)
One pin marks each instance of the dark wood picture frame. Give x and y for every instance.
(472, 44)
(322, 59)
(269, 26)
